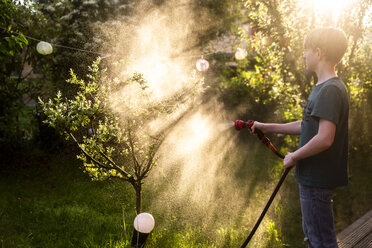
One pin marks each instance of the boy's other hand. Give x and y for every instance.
(289, 160)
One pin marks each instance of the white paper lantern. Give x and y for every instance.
(267, 41)
(202, 64)
(144, 223)
(44, 48)
(241, 53)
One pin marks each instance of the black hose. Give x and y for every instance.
(266, 207)
(267, 142)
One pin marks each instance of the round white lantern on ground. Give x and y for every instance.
(144, 223)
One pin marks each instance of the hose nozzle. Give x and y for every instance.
(239, 124)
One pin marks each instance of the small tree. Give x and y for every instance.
(117, 142)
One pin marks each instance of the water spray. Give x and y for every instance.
(239, 125)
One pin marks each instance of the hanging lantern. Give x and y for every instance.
(44, 48)
(267, 41)
(202, 64)
(241, 53)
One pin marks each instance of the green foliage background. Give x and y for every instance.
(45, 198)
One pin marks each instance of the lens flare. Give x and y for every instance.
(332, 8)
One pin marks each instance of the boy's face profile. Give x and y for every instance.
(324, 45)
(311, 59)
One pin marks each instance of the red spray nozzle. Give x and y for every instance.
(239, 124)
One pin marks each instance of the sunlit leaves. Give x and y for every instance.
(108, 117)
(276, 88)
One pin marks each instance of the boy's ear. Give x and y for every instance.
(319, 53)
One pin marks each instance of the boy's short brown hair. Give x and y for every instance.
(330, 40)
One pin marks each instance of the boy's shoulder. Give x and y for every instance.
(336, 83)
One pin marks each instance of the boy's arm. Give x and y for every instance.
(287, 128)
(320, 142)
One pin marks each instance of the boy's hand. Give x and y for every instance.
(289, 160)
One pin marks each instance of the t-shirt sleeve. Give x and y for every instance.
(328, 105)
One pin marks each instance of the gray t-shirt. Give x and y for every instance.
(327, 169)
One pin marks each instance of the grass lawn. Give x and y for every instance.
(50, 202)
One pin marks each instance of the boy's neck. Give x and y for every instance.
(325, 71)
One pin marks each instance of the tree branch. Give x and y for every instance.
(150, 161)
(120, 178)
(86, 154)
(136, 167)
(147, 168)
(126, 174)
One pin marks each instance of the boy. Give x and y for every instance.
(321, 159)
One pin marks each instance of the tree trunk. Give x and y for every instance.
(138, 188)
